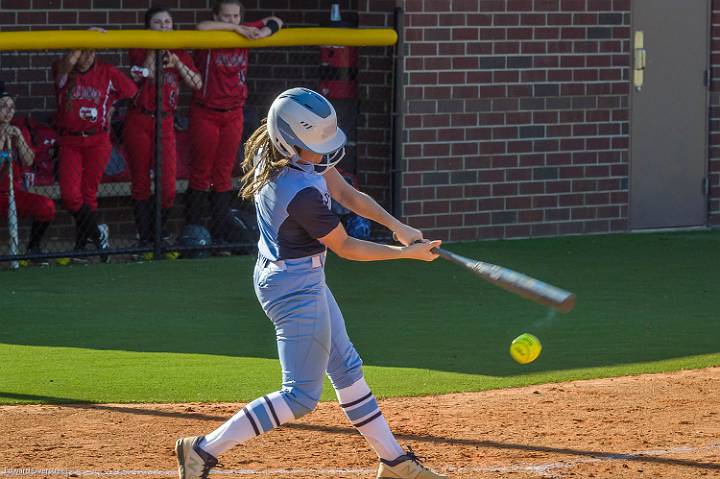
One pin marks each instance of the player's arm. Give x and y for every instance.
(149, 63)
(25, 151)
(271, 25)
(364, 205)
(246, 31)
(67, 63)
(191, 77)
(11, 136)
(358, 250)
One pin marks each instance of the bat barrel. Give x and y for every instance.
(518, 283)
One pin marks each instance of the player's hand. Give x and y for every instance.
(264, 32)
(251, 33)
(407, 235)
(170, 60)
(6, 129)
(6, 137)
(422, 251)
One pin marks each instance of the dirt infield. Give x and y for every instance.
(654, 426)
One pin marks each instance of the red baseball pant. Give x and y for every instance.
(139, 143)
(215, 137)
(29, 205)
(81, 164)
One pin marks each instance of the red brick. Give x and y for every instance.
(435, 207)
(32, 18)
(15, 5)
(557, 214)
(450, 220)
(505, 189)
(477, 190)
(600, 5)
(583, 213)
(492, 6)
(545, 229)
(448, 192)
(576, 5)
(546, 5)
(533, 19)
(524, 146)
(63, 18)
(422, 193)
(518, 202)
(520, 33)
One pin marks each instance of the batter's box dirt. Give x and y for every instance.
(651, 426)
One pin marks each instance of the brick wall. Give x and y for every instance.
(516, 117)
(714, 205)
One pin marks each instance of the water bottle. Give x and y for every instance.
(140, 71)
(335, 13)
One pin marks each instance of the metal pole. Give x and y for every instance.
(396, 167)
(12, 210)
(159, 80)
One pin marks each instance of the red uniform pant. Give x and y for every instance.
(139, 143)
(29, 205)
(81, 164)
(215, 138)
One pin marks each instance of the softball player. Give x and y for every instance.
(216, 115)
(86, 89)
(16, 141)
(139, 129)
(290, 162)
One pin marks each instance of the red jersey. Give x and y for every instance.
(224, 74)
(17, 165)
(171, 84)
(87, 105)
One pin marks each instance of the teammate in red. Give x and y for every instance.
(139, 129)
(16, 141)
(86, 90)
(216, 115)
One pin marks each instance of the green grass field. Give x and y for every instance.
(191, 330)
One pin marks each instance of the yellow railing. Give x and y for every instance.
(192, 39)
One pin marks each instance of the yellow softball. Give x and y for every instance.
(62, 261)
(525, 348)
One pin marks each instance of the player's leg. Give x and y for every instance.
(204, 139)
(295, 303)
(354, 394)
(221, 175)
(95, 157)
(138, 144)
(42, 211)
(360, 406)
(70, 179)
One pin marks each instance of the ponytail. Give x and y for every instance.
(262, 162)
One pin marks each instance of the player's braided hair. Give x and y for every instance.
(262, 161)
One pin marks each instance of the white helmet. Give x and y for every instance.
(302, 118)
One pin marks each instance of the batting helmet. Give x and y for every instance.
(195, 236)
(239, 228)
(358, 227)
(302, 118)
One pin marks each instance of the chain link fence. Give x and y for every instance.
(80, 179)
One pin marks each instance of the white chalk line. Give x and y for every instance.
(539, 469)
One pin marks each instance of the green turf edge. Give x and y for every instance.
(250, 377)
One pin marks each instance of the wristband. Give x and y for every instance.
(273, 25)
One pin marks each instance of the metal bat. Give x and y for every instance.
(518, 283)
(509, 280)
